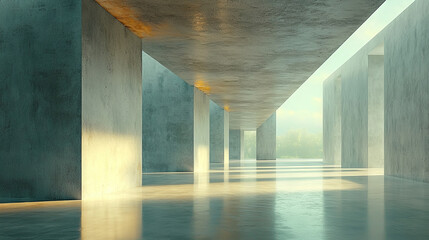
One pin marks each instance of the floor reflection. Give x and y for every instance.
(283, 199)
(111, 219)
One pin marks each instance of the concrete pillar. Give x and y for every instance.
(174, 115)
(406, 85)
(70, 109)
(375, 111)
(111, 104)
(219, 134)
(201, 131)
(354, 113)
(236, 144)
(332, 121)
(266, 139)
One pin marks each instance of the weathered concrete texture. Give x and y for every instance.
(225, 48)
(168, 117)
(111, 104)
(354, 113)
(226, 140)
(201, 131)
(407, 94)
(266, 139)
(219, 134)
(40, 99)
(176, 122)
(216, 133)
(236, 144)
(376, 111)
(332, 121)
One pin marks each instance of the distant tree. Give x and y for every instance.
(249, 145)
(300, 144)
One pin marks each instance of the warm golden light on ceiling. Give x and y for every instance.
(203, 86)
(227, 108)
(198, 22)
(126, 16)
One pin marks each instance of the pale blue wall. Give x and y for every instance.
(266, 139)
(407, 94)
(236, 144)
(40, 99)
(168, 119)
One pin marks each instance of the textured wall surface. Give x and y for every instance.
(332, 121)
(201, 131)
(226, 140)
(40, 99)
(407, 94)
(354, 114)
(219, 134)
(111, 104)
(376, 111)
(236, 144)
(168, 119)
(216, 133)
(266, 139)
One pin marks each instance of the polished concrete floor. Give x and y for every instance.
(283, 199)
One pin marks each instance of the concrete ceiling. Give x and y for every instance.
(249, 56)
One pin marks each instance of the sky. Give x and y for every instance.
(303, 110)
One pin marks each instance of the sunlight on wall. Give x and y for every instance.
(201, 132)
(110, 163)
(200, 159)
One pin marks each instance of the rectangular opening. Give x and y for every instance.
(376, 107)
(249, 145)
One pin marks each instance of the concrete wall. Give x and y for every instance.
(201, 131)
(407, 94)
(226, 140)
(354, 113)
(332, 121)
(219, 134)
(266, 139)
(406, 99)
(40, 100)
(168, 119)
(216, 133)
(236, 144)
(376, 111)
(111, 104)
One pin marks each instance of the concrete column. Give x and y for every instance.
(219, 134)
(226, 140)
(70, 109)
(375, 111)
(354, 112)
(406, 85)
(332, 121)
(111, 104)
(266, 139)
(236, 144)
(201, 131)
(174, 115)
